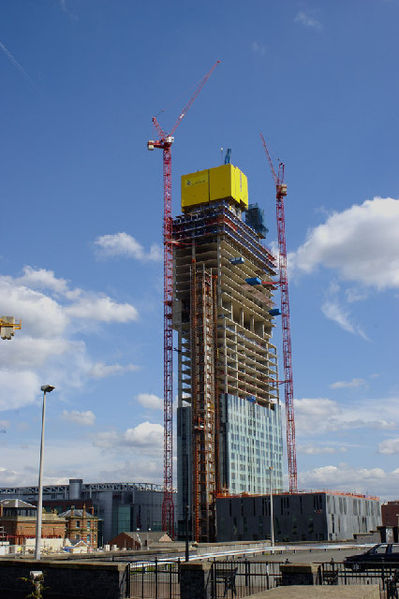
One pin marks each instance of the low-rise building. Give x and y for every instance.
(313, 516)
(81, 525)
(18, 521)
(120, 506)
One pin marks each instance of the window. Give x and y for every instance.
(77, 524)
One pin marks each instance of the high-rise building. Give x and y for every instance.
(229, 438)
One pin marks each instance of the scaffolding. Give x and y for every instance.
(224, 349)
(203, 401)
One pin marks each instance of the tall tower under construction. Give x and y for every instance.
(229, 438)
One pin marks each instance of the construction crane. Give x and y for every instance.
(8, 326)
(281, 192)
(164, 143)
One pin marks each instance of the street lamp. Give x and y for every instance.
(45, 389)
(271, 509)
(148, 530)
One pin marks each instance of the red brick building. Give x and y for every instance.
(390, 513)
(18, 522)
(81, 525)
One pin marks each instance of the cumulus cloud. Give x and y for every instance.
(40, 278)
(147, 436)
(103, 309)
(49, 309)
(99, 370)
(320, 415)
(361, 244)
(389, 446)
(343, 477)
(151, 401)
(348, 384)
(87, 418)
(123, 244)
(14, 396)
(307, 20)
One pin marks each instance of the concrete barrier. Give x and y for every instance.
(65, 580)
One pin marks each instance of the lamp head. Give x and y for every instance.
(47, 388)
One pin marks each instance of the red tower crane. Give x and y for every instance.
(164, 143)
(281, 192)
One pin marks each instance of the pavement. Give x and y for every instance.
(321, 592)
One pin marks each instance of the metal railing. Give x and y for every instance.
(383, 575)
(242, 578)
(156, 580)
(235, 579)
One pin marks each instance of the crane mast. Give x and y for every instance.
(164, 143)
(281, 192)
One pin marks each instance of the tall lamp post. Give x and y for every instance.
(271, 509)
(45, 389)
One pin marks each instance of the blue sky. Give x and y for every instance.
(82, 214)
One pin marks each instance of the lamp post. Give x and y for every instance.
(45, 389)
(148, 530)
(271, 509)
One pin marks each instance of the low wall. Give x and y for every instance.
(65, 580)
(242, 546)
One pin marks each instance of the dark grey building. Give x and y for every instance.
(121, 506)
(317, 516)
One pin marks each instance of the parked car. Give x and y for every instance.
(376, 557)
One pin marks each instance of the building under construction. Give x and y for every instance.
(229, 438)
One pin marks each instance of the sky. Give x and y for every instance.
(81, 199)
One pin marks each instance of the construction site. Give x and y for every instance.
(219, 285)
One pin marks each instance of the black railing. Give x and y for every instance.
(155, 580)
(235, 579)
(241, 578)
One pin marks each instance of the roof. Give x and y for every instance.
(17, 503)
(78, 514)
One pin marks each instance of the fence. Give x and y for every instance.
(383, 575)
(242, 578)
(157, 580)
(235, 579)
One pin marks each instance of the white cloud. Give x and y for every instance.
(314, 416)
(343, 477)
(348, 384)
(258, 48)
(102, 308)
(146, 436)
(307, 20)
(100, 370)
(42, 316)
(389, 446)
(87, 418)
(41, 278)
(360, 243)
(123, 244)
(150, 401)
(4, 424)
(317, 450)
(14, 394)
(47, 344)
(333, 310)
(8, 477)
(354, 294)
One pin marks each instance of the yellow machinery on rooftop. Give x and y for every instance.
(225, 182)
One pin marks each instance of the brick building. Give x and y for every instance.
(390, 513)
(81, 525)
(18, 522)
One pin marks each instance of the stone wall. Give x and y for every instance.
(65, 580)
